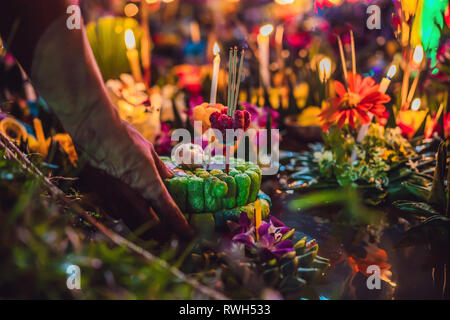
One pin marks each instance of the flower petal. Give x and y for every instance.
(340, 88)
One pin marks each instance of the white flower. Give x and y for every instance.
(323, 156)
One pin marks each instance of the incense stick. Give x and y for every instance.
(229, 82)
(344, 65)
(352, 39)
(233, 87)
(412, 90)
(235, 101)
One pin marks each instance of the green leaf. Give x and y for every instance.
(420, 192)
(420, 208)
(437, 197)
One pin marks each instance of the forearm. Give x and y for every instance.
(23, 22)
(62, 68)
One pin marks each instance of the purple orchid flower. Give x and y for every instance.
(271, 244)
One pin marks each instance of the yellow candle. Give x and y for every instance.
(258, 217)
(132, 55)
(145, 43)
(215, 75)
(384, 85)
(43, 148)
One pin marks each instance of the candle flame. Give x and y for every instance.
(130, 41)
(216, 49)
(392, 71)
(418, 54)
(283, 2)
(325, 68)
(415, 105)
(266, 30)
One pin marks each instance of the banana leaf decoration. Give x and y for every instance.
(438, 197)
(434, 230)
(107, 39)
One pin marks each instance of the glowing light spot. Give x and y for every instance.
(415, 105)
(131, 10)
(325, 68)
(418, 54)
(216, 48)
(392, 71)
(266, 30)
(130, 41)
(283, 2)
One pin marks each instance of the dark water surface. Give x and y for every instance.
(409, 279)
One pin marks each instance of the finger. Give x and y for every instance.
(170, 214)
(163, 171)
(122, 202)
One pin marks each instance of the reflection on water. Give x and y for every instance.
(352, 249)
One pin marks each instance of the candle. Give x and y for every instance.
(132, 55)
(215, 75)
(263, 46)
(43, 147)
(258, 217)
(387, 80)
(382, 89)
(279, 45)
(145, 43)
(417, 58)
(325, 69)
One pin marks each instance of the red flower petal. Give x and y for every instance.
(340, 89)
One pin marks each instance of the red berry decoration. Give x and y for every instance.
(222, 122)
(230, 118)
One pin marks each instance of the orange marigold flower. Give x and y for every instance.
(361, 99)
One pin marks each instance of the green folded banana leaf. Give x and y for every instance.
(434, 230)
(438, 197)
(419, 208)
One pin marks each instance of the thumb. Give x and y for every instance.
(163, 171)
